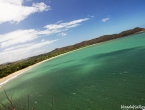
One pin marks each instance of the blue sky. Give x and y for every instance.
(32, 27)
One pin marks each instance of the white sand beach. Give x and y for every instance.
(17, 73)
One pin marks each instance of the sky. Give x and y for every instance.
(33, 27)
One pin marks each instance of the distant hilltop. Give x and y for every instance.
(100, 39)
(10, 67)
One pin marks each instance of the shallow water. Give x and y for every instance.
(100, 77)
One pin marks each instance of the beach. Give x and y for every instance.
(84, 77)
(6, 79)
(17, 73)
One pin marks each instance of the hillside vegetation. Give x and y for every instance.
(6, 69)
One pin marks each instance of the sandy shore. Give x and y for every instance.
(17, 73)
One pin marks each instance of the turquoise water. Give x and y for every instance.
(100, 77)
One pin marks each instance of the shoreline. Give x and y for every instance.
(12, 76)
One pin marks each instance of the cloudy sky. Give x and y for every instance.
(32, 27)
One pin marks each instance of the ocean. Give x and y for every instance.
(103, 76)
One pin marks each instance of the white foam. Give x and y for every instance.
(6, 81)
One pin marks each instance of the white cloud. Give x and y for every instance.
(18, 47)
(105, 19)
(16, 37)
(62, 34)
(59, 21)
(48, 32)
(22, 51)
(16, 2)
(15, 45)
(42, 40)
(22, 36)
(41, 6)
(30, 46)
(60, 27)
(66, 25)
(13, 10)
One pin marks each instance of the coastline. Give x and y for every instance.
(80, 46)
(12, 76)
(6, 79)
(17, 73)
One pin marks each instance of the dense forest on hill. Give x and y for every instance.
(8, 68)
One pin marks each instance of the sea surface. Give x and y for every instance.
(99, 77)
